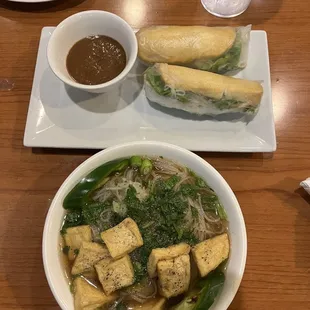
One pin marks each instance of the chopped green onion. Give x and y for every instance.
(146, 167)
(136, 161)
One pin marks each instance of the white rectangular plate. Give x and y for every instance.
(63, 117)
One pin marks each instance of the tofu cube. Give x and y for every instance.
(90, 253)
(165, 253)
(116, 274)
(88, 297)
(122, 238)
(174, 276)
(154, 304)
(74, 237)
(210, 253)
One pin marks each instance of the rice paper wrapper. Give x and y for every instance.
(230, 62)
(197, 105)
(157, 91)
(234, 60)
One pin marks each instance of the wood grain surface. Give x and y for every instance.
(276, 210)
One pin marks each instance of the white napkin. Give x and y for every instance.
(306, 185)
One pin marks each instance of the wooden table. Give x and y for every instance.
(276, 210)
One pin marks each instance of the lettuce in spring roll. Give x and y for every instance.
(215, 49)
(200, 92)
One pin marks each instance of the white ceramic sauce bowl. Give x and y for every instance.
(51, 237)
(80, 26)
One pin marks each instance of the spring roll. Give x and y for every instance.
(215, 49)
(200, 92)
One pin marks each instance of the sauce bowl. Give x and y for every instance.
(51, 237)
(84, 24)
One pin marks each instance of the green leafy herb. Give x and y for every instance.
(221, 212)
(119, 208)
(203, 295)
(250, 109)
(66, 250)
(91, 212)
(166, 209)
(226, 62)
(172, 182)
(200, 182)
(72, 288)
(76, 251)
(133, 205)
(160, 87)
(212, 203)
(96, 213)
(189, 190)
(139, 271)
(226, 104)
(211, 286)
(121, 306)
(72, 219)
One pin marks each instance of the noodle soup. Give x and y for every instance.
(144, 233)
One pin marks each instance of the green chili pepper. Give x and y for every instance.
(82, 192)
(146, 167)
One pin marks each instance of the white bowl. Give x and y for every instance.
(81, 25)
(236, 264)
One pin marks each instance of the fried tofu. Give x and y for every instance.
(154, 304)
(122, 238)
(174, 276)
(90, 253)
(165, 253)
(88, 297)
(74, 237)
(116, 274)
(210, 253)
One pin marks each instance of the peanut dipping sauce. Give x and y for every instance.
(95, 60)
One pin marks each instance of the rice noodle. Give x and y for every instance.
(210, 218)
(182, 181)
(207, 223)
(166, 167)
(142, 291)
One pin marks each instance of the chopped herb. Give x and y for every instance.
(121, 306)
(139, 271)
(226, 62)
(66, 250)
(166, 208)
(73, 218)
(172, 182)
(250, 109)
(189, 190)
(72, 288)
(91, 212)
(160, 87)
